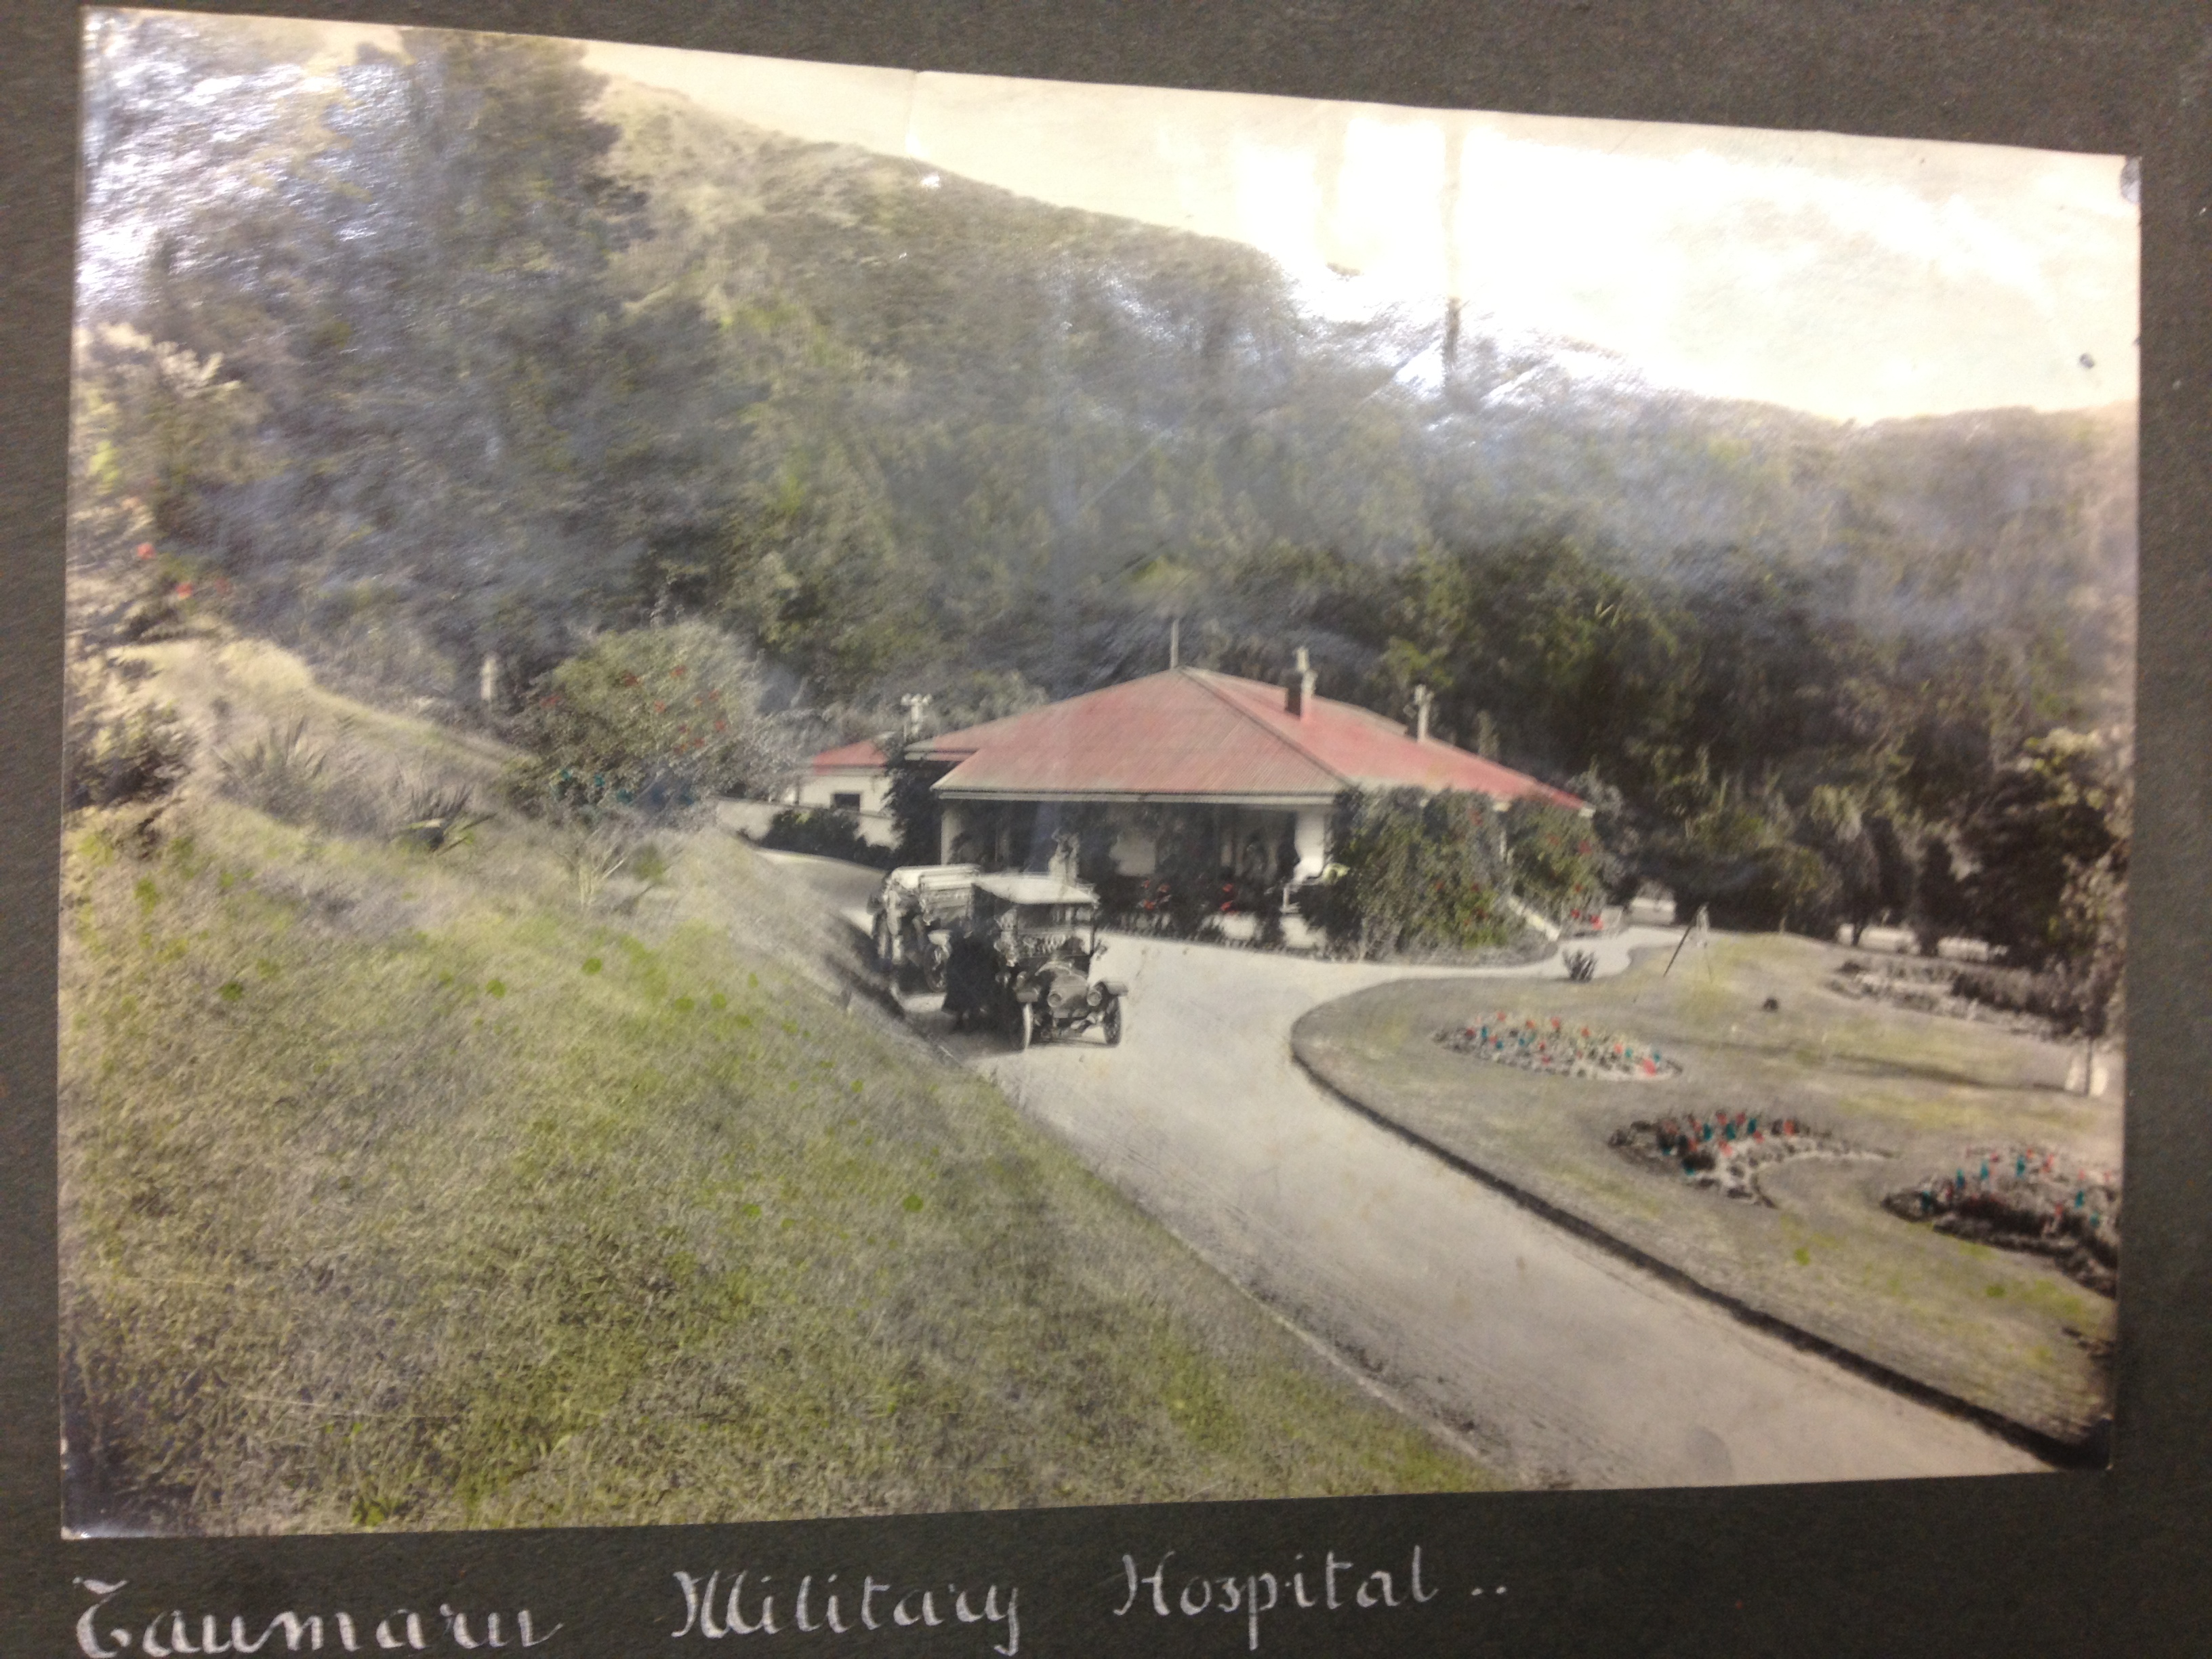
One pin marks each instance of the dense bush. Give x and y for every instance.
(1411, 875)
(655, 718)
(826, 832)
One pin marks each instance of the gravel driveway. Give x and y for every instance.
(1560, 1363)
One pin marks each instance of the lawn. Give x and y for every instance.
(415, 1190)
(2001, 1329)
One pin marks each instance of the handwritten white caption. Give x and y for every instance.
(754, 1613)
(1336, 1584)
(403, 1630)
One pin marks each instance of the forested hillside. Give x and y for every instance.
(416, 361)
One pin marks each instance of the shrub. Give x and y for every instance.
(281, 775)
(656, 719)
(2058, 997)
(439, 817)
(911, 800)
(1559, 866)
(1411, 875)
(114, 758)
(289, 778)
(592, 852)
(826, 833)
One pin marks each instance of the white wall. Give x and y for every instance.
(819, 790)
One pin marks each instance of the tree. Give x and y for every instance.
(1836, 829)
(407, 261)
(1940, 906)
(2053, 820)
(159, 430)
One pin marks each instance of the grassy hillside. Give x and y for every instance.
(415, 1190)
(1916, 1093)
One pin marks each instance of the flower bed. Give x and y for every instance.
(1553, 1047)
(1728, 1151)
(2022, 1198)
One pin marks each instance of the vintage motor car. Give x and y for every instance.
(917, 911)
(1021, 963)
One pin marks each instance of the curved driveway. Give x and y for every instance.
(1564, 1365)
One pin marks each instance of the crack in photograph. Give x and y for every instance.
(797, 790)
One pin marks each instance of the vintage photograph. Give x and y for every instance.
(796, 790)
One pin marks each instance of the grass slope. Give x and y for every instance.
(2002, 1330)
(408, 1190)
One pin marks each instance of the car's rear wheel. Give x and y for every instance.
(1109, 1023)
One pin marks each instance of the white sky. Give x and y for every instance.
(1853, 278)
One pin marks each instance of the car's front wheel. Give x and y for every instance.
(1109, 1023)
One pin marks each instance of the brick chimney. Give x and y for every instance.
(1298, 695)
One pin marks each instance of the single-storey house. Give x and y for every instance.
(1256, 767)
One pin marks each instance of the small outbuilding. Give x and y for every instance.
(855, 779)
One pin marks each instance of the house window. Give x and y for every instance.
(844, 802)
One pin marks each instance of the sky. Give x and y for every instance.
(1857, 278)
(1853, 278)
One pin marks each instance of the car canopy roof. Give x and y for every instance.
(1036, 890)
(914, 877)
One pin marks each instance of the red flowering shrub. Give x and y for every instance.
(655, 718)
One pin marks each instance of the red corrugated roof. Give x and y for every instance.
(1188, 731)
(866, 755)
